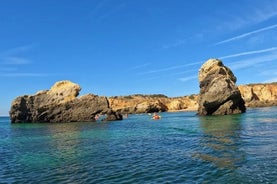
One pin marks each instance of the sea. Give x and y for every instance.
(181, 147)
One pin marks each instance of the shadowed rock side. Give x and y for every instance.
(218, 93)
(60, 104)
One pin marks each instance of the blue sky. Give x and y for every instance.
(122, 47)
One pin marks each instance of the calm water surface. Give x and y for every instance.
(179, 148)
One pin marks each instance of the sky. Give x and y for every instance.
(123, 47)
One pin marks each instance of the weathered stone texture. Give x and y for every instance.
(218, 93)
(60, 104)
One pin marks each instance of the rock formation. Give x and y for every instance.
(60, 104)
(254, 95)
(152, 103)
(218, 93)
(259, 95)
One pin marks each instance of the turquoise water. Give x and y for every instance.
(179, 148)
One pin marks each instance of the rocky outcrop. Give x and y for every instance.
(60, 104)
(254, 95)
(136, 105)
(150, 107)
(259, 95)
(218, 93)
(152, 103)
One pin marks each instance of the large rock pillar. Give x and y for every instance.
(219, 94)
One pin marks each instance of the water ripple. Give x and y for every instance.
(179, 148)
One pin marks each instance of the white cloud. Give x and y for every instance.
(246, 34)
(252, 13)
(184, 72)
(185, 79)
(98, 7)
(249, 53)
(14, 56)
(175, 44)
(271, 80)
(105, 9)
(8, 69)
(269, 72)
(163, 69)
(169, 68)
(140, 66)
(264, 13)
(24, 74)
(14, 61)
(253, 61)
(17, 50)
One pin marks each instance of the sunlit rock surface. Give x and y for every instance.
(60, 104)
(219, 94)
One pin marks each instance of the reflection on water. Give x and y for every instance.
(54, 145)
(221, 141)
(225, 149)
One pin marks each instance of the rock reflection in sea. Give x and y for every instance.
(221, 141)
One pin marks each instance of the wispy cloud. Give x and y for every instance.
(246, 34)
(98, 7)
(253, 61)
(148, 78)
(14, 56)
(174, 44)
(140, 66)
(271, 74)
(163, 69)
(185, 79)
(249, 53)
(26, 74)
(113, 11)
(14, 61)
(105, 9)
(251, 14)
(184, 72)
(263, 13)
(8, 69)
(271, 80)
(17, 50)
(169, 68)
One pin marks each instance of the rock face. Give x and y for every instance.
(218, 93)
(259, 95)
(254, 95)
(152, 103)
(60, 104)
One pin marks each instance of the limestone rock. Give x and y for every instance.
(112, 115)
(138, 104)
(64, 91)
(152, 103)
(175, 105)
(150, 107)
(218, 93)
(60, 104)
(259, 95)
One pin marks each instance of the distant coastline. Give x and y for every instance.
(254, 95)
